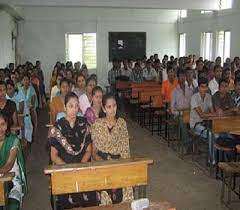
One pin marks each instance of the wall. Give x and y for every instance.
(196, 23)
(7, 25)
(42, 33)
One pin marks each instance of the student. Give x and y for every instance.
(201, 108)
(126, 71)
(92, 113)
(12, 161)
(57, 103)
(113, 73)
(85, 99)
(190, 81)
(169, 85)
(8, 107)
(149, 74)
(214, 83)
(181, 95)
(236, 93)
(80, 84)
(56, 89)
(137, 74)
(227, 76)
(111, 141)
(70, 142)
(222, 100)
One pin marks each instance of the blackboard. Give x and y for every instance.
(127, 45)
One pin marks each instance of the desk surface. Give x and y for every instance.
(7, 177)
(237, 132)
(127, 206)
(94, 165)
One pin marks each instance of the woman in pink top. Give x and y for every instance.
(85, 99)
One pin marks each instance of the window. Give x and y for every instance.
(82, 47)
(183, 13)
(225, 4)
(206, 11)
(182, 44)
(223, 44)
(206, 45)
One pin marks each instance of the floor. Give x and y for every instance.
(170, 178)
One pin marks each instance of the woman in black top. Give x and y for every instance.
(8, 107)
(70, 142)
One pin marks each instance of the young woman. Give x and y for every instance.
(85, 99)
(57, 103)
(30, 100)
(111, 141)
(11, 160)
(17, 96)
(70, 142)
(8, 107)
(80, 85)
(92, 113)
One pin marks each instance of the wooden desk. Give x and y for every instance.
(236, 132)
(74, 178)
(127, 206)
(3, 187)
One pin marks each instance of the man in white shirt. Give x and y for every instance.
(214, 83)
(148, 72)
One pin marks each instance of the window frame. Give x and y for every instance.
(179, 49)
(224, 44)
(203, 46)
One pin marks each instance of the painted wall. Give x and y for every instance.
(196, 23)
(7, 25)
(42, 33)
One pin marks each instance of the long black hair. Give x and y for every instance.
(106, 97)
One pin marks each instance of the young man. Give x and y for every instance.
(113, 74)
(227, 76)
(214, 83)
(181, 96)
(190, 81)
(236, 93)
(169, 85)
(137, 74)
(126, 71)
(202, 108)
(149, 74)
(222, 100)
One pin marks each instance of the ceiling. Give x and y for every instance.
(148, 4)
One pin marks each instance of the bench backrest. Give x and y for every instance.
(73, 178)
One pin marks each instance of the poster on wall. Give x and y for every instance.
(127, 45)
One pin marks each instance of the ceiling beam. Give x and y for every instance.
(148, 4)
(13, 11)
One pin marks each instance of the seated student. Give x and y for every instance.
(227, 76)
(149, 73)
(137, 74)
(92, 113)
(56, 89)
(57, 103)
(8, 107)
(158, 69)
(190, 81)
(181, 95)
(11, 160)
(111, 141)
(222, 100)
(236, 93)
(114, 72)
(53, 80)
(214, 83)
(80, 85)
(84, 70)
(201, 108)
(169, 85)
(85, 99)
(126, 71)
(70, 142)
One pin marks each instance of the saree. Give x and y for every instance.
(19, 183)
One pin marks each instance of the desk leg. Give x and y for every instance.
(211, 152)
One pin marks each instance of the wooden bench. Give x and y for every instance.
(75, 178)
(3, 188)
